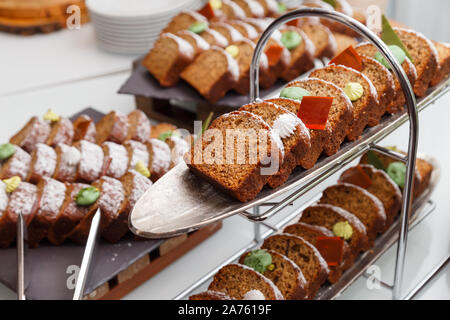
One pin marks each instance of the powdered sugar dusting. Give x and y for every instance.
(112, 196)
(161, 156)
(91, 162)
(52, 197)
(45, 161)
(119, 130)
(140, 185)
(117, 156)
(91, 131)
(180, 148)
(68, 164)
(19, 164)
(3, 197)
(139, 152)
(65, 132)
(39, 133)
(23, 199)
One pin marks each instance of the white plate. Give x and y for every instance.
(147, 44)
(133, 21)
(135, 8)
(137, 41)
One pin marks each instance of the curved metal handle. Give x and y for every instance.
(410, 104)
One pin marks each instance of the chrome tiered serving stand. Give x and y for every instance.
(180, 203)
(399, 231)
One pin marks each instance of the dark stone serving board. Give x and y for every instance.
(142, 83)
(50, 270)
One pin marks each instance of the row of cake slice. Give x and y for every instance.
(226, 46)
(86, 151)
(60, 173)
(379, 94)
(297, 268)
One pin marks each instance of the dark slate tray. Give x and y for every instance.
(142, 83)
(50, 270)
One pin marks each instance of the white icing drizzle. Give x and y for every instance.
(3, 197)
(252, 34)
(183, 46)
(23, 199)
(286, 124)
(272, 6)
(261, 24)
(197, 16)
(256, 9)
(45, 163)
(254, 295)
(91, 162)
(202, 44)
(180, 148)
(140, 185)
(161, 156)
(19, 164)
(112, 196)
(238, 12)
(234, 34)
(52, 197)
(218, 37)
(233, 66)
(117, 157)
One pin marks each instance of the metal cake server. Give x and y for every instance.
(87, 256)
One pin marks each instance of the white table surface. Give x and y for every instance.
(65, 71)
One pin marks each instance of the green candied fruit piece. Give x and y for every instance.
(397, 172)
(87, 196)
(282, 8)
(7, 150)
(291, 39)
(396, 51)
(165, 135)
(343, 229)
(295, 93)
(354, 91)
(198, 27)
(259, 260)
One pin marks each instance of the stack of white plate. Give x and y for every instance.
(132, 26)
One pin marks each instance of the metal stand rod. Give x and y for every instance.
(389, 153)
(20, 258)
(410, 104)
(87, 256)
(257, 227)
